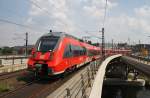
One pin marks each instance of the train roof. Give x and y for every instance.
(60, 34)
(63, 34)
(88, 46)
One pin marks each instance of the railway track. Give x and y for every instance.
(13, 91)
(39, 88)
(33, 89)
(5, 76)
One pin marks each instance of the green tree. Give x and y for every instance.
(0, 51)
(7, 50)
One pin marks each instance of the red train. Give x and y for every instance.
(57, 52)
(117, 51)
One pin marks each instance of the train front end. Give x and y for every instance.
(42, 56)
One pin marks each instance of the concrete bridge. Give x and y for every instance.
(118, 70)
(98, 83)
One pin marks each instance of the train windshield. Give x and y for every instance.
(47, 44)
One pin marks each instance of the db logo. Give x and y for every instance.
(42, 57)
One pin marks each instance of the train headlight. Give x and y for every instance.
(33, 53)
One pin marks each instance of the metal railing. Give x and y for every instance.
(82, 86)
(13, 60)
(140, 58)
(12, 63)
(12, 68)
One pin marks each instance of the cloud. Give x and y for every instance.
(67, 15)
(55, 12)
(135, 27)
(78, 16)
(96, 8)
(143, 11)
(11, 35)
(93, 11)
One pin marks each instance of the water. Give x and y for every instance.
(125, 92)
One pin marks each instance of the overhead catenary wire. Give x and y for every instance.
(18, 14)
(88, 32)
(48, 13)
(93, 35)
(35, 3)
(19, 24)
(103, 21)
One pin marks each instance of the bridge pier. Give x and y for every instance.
(120, 70)
(117, 69)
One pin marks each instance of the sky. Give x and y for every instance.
(126, 20)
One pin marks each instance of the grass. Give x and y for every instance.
(4, 87)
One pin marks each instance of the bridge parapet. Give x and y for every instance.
(98, 82)
(80, 85)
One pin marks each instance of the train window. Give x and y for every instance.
(68, 51)
(78, 50)
(89, 53)
(74, 50)
(93, 52)
(84, 51)
(47, 44)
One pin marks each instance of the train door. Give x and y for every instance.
(67, 56)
